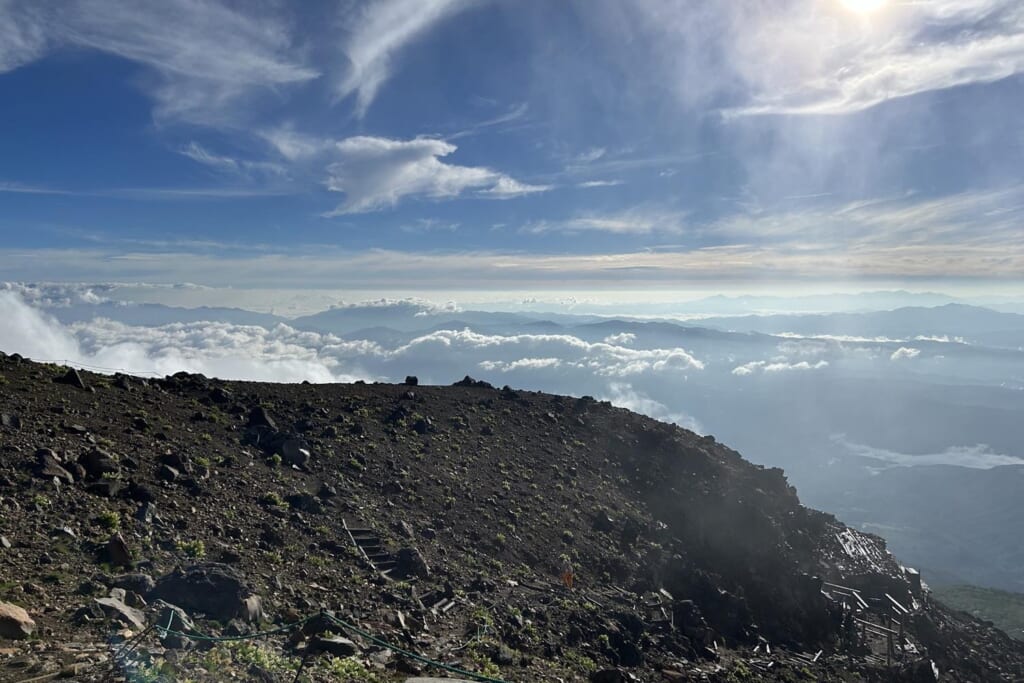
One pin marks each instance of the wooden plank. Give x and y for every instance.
(880, 629)
(897, 605)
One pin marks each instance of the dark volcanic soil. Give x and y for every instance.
(438, 519)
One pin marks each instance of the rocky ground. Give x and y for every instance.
(151, 530)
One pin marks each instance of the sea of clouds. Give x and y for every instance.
(664, 382)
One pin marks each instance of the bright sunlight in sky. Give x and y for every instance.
(863, 6)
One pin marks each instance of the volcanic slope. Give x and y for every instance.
(186, 516)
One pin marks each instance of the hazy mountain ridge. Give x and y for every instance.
(490, 489)
(954, 321)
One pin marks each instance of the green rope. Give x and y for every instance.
(412, 655)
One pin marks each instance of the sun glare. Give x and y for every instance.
(863, 6)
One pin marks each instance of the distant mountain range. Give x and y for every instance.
(973, 324)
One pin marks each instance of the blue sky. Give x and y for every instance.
(460, 144)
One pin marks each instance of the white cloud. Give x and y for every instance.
(639, 220)
(378, 33)
(207, 57)
(507, 188)
(591, 155)
(23, 36)
(904, 353)
(230, 165)
(979, 456)
(59, 294)
(521, 364)
(621, 339)
(229, 351)
(599, 183)
(30, 332)
(821, 59)
(576, 355)
(818, 57)
(769, 367)
(805, 348)
(624, 395)
(293, 145)
(562, 363)
(418, 307)
(375, 173)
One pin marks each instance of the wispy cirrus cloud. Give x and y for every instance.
(207, 56)
(641, 220)
(230, 165)
(377, 34)
(600, 183)
(975, 219)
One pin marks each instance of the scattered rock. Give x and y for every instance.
(147, 513)
(10, 421)
(168, 473)
(15, 623)
(252, 609)
(116, 609)
(107, 488)
(48, 465)
(179, 461)
(137, 583)
(173, 618)
(221, 395)
(305, 502)
(333, 645)
(468, 381)
(71, 378)
(118, 553)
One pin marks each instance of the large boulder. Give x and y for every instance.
(98, 462)
(71, 378)
(260, 418)
(117, 551)
(213, 589)
(294, 452)
(411, 563)
(15, 623)
(335, 646)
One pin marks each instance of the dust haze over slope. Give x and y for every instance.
(887, 428)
